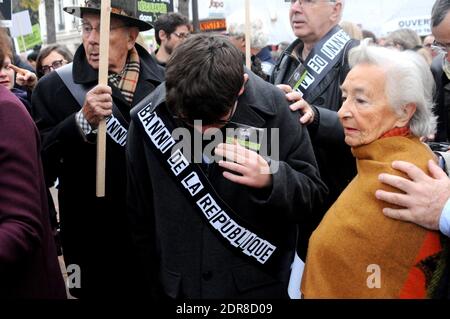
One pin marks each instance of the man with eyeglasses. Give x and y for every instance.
(68, 106)
(441, 66)
(422, 199)
(217, 218)
(170, 30)
(311, 71)
(53, 66)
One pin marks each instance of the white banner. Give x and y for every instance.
(21, 24)
(216, 9)
(420, 24)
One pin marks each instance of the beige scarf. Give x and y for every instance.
(126, 81)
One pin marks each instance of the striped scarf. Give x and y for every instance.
(126, 80)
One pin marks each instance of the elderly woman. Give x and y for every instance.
(357, 252)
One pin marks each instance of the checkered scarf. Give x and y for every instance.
(126, 80)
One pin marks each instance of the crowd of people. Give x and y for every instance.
(306, 171)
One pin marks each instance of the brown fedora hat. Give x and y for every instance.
(126, 10)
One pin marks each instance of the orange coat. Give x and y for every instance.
(356, 247)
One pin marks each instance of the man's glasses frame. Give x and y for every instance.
(55, 64)
(182, 35)
(306, 3)
(86, 28)
(440, 47)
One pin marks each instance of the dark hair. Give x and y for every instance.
(33, 56)
(369, 35)
(61, 49)
(204, 77)
(256, 67)
(440, 10)
(169, 23)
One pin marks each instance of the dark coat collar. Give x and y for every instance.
(256, 103)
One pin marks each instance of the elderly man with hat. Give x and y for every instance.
(68, 106)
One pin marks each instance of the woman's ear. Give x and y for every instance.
(407, 112)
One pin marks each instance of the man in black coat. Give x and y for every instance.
(217, 219)
(68, 106)
(311, 71)
(441, 66)
(442, 98)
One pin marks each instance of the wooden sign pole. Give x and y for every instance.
(248, 35)
(105, 20)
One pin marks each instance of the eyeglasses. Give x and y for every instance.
(182, 35)
(309, 3)
(191, 122)
(86, 28)
(56, 64)
(440, 47)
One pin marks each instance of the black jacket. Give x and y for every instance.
(183, 257)
(336, 163)
(442, 99)
(94, 230)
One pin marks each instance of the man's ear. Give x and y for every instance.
(243, 86)
(162, 35)
(336, 15)
(132, 36)
(242, 42)
(407, 112)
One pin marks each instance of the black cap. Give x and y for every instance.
(126, 10)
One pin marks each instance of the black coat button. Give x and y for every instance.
(207, 275)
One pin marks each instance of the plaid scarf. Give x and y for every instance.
(438, 272)
(126, 80)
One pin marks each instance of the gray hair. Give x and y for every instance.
(440, 10)
(408, 80)
(259, 38)
(408, 39)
